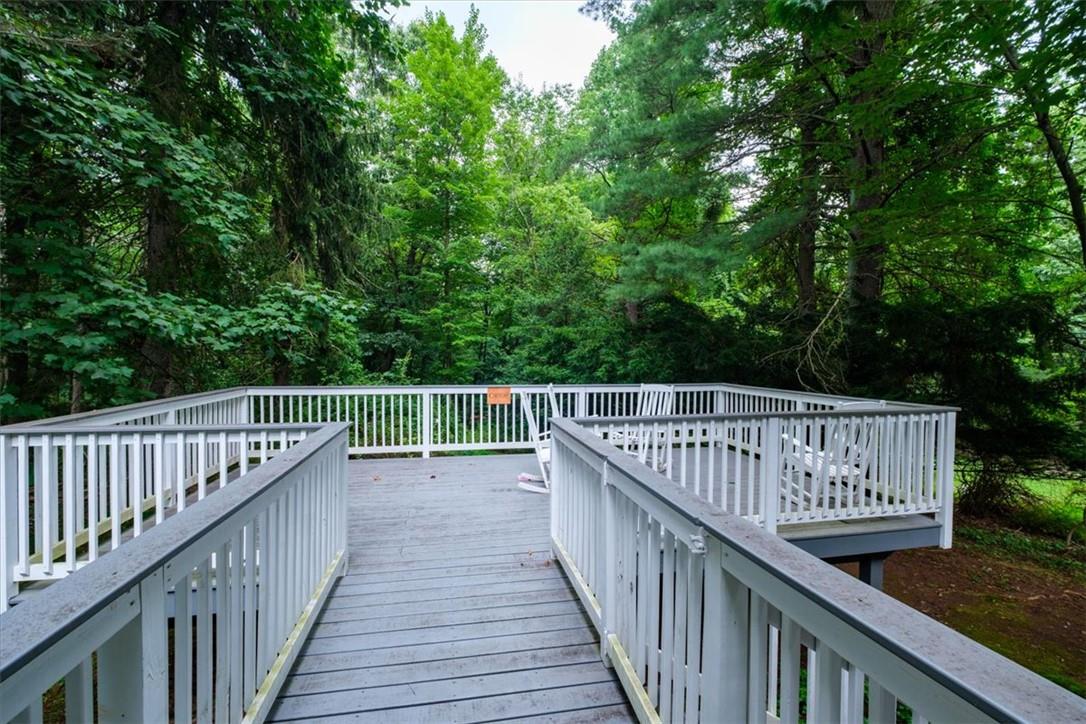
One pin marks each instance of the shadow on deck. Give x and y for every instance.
(451, 610)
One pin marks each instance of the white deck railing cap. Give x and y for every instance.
(133, 407)
(59, 430)
(889, 410)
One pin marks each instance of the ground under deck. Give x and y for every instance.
(451, 610)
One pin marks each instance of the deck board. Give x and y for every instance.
(451, 610)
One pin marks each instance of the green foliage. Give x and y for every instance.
(1016, 545)
(877, 198)
(433, 284)
(166, 167)
(858, 196)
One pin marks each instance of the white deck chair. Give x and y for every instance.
(541, 441)
(822, 467)
(652, 401)
(655, 400)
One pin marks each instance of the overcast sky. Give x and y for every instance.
(542, 42)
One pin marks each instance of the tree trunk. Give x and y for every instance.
(164, 82)
(868, 250)
(281, 373)
(77, 396)
(808, 226)
(867, 245)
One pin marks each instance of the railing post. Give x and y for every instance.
(427, 424)
(724, 661)
(9, 515)
(945, 516)
(608, 606)
(771, 474)
(341, 507)
(557, 496)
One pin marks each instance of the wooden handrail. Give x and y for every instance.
(656, 562)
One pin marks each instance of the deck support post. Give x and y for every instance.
(945, 516)
(871, 569)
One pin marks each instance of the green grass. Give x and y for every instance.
(1016, 545)
(1056, 508)
(1052, 505)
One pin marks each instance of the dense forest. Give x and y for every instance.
(880, 197)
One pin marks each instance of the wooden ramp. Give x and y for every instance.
(452, 610)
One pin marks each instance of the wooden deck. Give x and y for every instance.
(452, 610)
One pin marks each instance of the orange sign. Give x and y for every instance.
(499, 395)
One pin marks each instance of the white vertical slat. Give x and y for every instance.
(155, 688)
(790, 671)
(224, 461)
(679, 641)
(23, 502)
(46, 486)
(235, 624)
(182, 649)
(79, 693)
(774, 671)
(204, 661)
(69, 503)
(882, 705)
(695, 616)
(93, 485)
(854, 701)
(136, 483)
(249, 605)
(120, 675)
(115, 489)
(159, 477)
(222, 634)
(757, 656)
(824, 698)
(201, 465)
(667, 617)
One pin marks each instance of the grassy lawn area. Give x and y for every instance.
(1059, 506)
(1050, 505)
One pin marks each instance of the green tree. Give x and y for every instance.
(441, 114)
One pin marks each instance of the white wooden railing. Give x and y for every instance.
(71, 492)
(777, 468)
(133, 456)
(707, 617)
(200, 617)
(426, 420)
